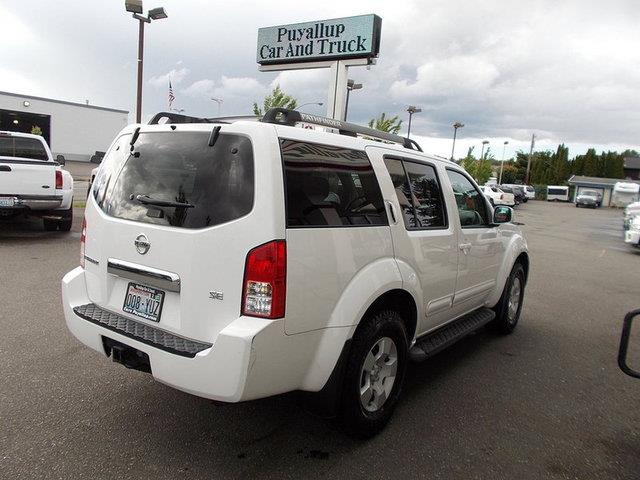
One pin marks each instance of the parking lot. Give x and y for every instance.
(546, 402)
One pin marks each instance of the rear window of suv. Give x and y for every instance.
(330, 186)
(177, 179)
(22, 147)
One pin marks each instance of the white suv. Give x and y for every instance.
(246, 259)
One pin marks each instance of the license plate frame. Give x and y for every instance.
(137, 300)
(7, 202)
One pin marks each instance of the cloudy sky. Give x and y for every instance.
(567, 70)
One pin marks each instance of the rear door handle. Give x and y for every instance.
(392, 212)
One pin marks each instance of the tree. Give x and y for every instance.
(510, 174)
(384, 124)
(36, 130)
(480, 170)
(277, 99)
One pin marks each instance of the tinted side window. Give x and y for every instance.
(403, 192)
(418, 193)
(472, 207)
(329, 186)
(427, 195)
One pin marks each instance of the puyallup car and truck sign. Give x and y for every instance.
(339, 38)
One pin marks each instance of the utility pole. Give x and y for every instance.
(533, 143)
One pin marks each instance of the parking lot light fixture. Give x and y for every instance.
(411, 109)
(456, 126)
(484, 142)
(504, 146)
(158, 13)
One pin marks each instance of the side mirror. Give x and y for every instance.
(502, 214)
(60, 159)
(623, 352)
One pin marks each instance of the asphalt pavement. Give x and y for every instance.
(546, 402)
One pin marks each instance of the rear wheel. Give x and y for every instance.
(375, 374)
(509, 307)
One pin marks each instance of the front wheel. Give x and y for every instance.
(509, 307)
(375, 374)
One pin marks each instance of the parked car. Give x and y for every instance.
(32, 183)
(632, 232)
(240, 260)
(630, 211)
(530, 191)
(588, 198)
(497, 197)
(517, 191)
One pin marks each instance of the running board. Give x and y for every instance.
(434, 342)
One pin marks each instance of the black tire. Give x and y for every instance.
(506, 320)
(357, 421)
(50, 225)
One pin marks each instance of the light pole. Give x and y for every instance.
(484, 142)
(411, 109)
(351, 85)
(135, 7)
(456, 126)
(309, 103)
(219, 102)
(504, 146)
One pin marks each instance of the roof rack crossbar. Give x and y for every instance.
(176, 118)
(284, 116)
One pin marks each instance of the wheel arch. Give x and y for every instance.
(399, 300)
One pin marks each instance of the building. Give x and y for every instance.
(631, 168)
(75, 130)
(602, 185)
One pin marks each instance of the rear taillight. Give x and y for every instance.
(58, 179)
(83, 239)
(265, 281)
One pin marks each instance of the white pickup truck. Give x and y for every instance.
(32, 183)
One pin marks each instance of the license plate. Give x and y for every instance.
(6, 202)
(144, 302)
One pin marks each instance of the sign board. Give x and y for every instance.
(336, 39)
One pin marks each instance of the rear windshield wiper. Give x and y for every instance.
(147, 200)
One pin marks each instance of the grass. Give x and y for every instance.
(79, 204)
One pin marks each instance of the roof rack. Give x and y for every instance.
(283, 116)
(172, 117)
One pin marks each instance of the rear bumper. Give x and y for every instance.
(34, 202)
(250, 358)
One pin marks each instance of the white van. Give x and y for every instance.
(237, 260)
(557, 193)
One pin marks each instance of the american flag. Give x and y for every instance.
(172, 97)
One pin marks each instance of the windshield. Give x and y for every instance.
(589, 193)
(177, 179)
(23, 147)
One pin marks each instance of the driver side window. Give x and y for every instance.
(472, 207)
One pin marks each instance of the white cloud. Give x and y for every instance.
(200, 88)
(174, 75)
(452, 76)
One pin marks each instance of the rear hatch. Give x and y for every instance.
(25, 168)
(170, 221)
